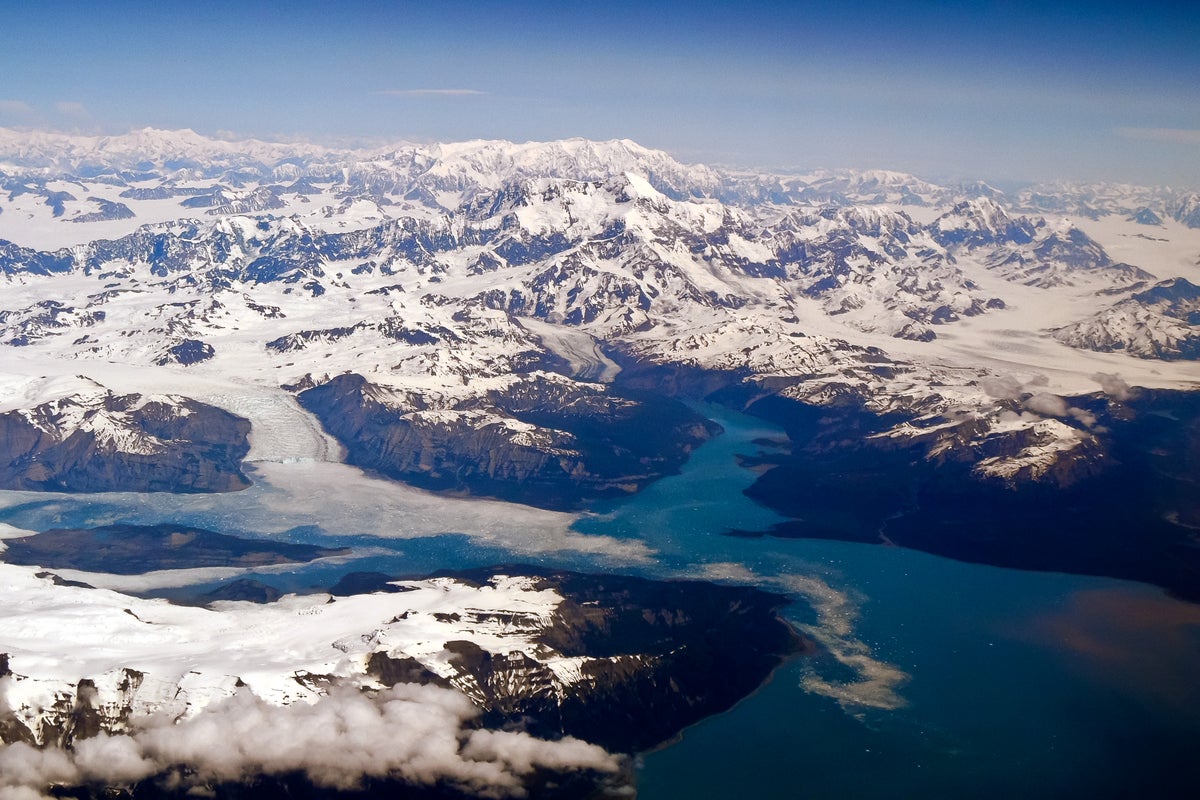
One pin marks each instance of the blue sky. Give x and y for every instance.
(999, 90)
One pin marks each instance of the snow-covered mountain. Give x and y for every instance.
(521, 321)
(462, 263)
(96, 440)
(141, 152)
(1161, 322)
(1147, 205)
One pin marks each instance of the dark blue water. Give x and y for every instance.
(1016, 684)
(938, 678)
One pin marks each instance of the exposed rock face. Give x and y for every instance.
(544, 441)
(187, 352)
(1146, 216)
(1187, 210)
(983, 223)
(623, 662)
(108, 443)
(243, 589)
(1066, 257)
(106, 210)
(44, 319)
(1102, 484)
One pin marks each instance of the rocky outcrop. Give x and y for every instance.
(1187, 210)
(105, 210)
(1064, 257)
(623, 662)
(186, 353)
(544, 441)
(104, 442)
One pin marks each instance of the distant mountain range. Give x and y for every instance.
(475, 263)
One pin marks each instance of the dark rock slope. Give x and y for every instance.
(544, 442)
(662, 655)
(129, 443)
(1127, 507)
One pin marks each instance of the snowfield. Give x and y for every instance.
(263, 645)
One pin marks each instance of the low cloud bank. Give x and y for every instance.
(1047, 405)
(418, 734)
(1000, 387)
(1113, 385)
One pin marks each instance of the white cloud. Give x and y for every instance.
(21, 793)
(1001, 387)
(1172, 135)
(16, 108)
(1113, 385)
(423, 735)
(431, 92)
(27, 768)
(1086, 418)
(1046, 404)
(71, 108)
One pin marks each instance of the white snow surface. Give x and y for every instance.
(264, 645)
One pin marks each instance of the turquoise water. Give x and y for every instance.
(938, 678)
(1018, 684)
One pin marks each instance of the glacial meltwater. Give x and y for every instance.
(934, 678)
